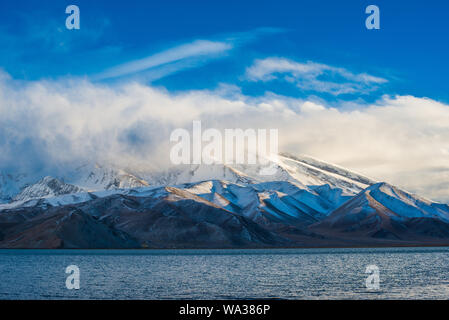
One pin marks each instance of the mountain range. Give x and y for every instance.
(307, 203)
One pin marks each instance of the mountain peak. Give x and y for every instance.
(381, 186)
(46, 187)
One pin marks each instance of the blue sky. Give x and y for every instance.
(185, 45)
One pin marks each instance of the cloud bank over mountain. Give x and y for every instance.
(47, 125)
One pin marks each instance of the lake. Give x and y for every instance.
(404, 273)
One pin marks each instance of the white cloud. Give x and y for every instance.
(44, 125)
(196, 49)
(313, 76)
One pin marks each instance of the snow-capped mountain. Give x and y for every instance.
(46, 187)
(97, 177)
(307, 202)
(384, 211)
(278, 201)
(303, 172)
(23, 187)
(160, 217)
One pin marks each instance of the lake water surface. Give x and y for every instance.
(405, 273)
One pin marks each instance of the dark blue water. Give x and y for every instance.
(226, 274)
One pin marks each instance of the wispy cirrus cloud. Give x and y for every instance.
(203, 49)
(313, 76)
(184, 56)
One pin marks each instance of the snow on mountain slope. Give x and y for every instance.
(330, 168)
(47, 187)
(196, 173)
(61, 200)
(405, 204)
(96, 177)
(279, 201)
(311, 172)
(21, 188)
(384, 211)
